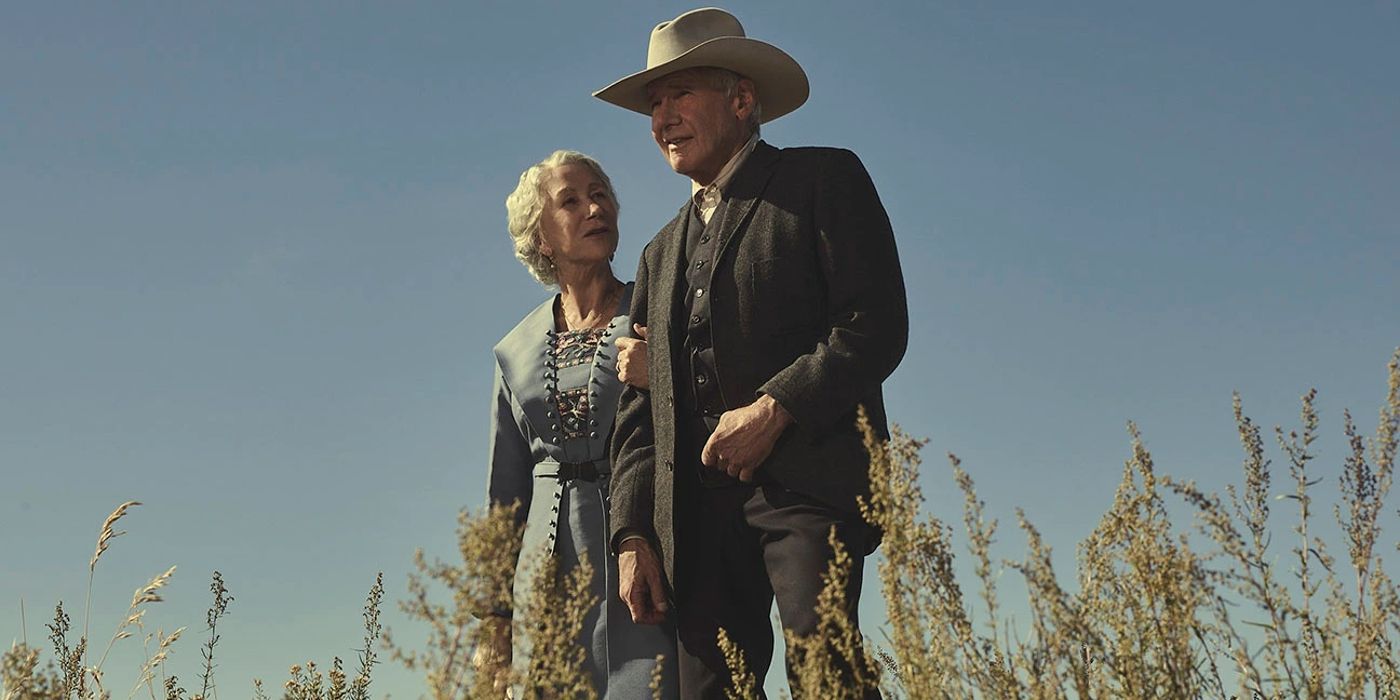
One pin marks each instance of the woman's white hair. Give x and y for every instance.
(525, 205)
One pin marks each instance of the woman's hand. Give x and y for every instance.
(493, 653)
(632, 359)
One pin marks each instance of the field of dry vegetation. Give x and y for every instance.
(1215, 608)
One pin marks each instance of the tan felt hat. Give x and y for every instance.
(713, 37)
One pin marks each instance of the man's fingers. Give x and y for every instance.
(707, 454)
(640, 330)
(736, 470)
(658, 593)
(636, 605)
(640, 585)
(633, 596)
(641, 606)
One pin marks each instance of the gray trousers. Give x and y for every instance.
(739, 547)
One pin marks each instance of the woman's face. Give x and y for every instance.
(579, 221)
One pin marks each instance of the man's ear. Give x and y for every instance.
(744, 96)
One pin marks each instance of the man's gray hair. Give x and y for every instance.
(727, 81)
(525, 205)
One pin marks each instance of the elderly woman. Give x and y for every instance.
(555, 397)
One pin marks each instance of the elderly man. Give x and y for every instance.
(773, 305)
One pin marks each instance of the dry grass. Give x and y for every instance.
(550, 620)
(1160, 611)
(488, 547)
(1211, 609)
(307, 683)
(68, 676)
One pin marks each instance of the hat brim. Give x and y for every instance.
(781, 83)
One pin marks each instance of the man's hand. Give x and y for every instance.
(492, 655)
(632, 359)
(639, 582)
(744, 437)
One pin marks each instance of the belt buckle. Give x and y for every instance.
(569, 471)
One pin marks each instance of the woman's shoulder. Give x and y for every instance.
(624, 303)
(530, 332)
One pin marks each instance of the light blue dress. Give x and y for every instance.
(555, 398)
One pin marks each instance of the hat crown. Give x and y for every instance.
(713, 38)
(673, 38)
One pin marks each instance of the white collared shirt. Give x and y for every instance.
(707, 198)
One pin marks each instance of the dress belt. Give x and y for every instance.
(568, 471)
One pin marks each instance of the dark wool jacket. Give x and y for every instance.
(807, 305)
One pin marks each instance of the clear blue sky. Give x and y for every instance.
(253, 259)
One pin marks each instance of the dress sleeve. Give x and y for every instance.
(511, 464)
(510, 471)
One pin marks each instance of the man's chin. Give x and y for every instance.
(679, 165)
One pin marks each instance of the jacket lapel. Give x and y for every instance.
(744, 191)
(669, 274)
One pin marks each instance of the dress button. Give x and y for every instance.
(553, 426)
(593, 422)
(555, 439)
(593, 435)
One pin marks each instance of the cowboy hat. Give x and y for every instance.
(712, 37)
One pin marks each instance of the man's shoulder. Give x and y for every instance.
(816, 152)
(816, 161)
(806, 155)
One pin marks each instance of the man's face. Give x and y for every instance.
(696, 126)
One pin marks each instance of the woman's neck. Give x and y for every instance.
(587, 298)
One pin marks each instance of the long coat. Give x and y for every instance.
(807, 305)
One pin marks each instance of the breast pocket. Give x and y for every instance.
(786, 296)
